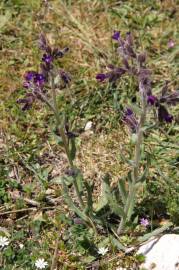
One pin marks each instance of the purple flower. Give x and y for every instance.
(163, 114)
(47, 58)
(128, 112)
(39, 79)
(151, 100)
(116, 35)
(29, 75)
(101, 77)
(168, 118)
(171, 44)
(65, 76)
(144, 222)
(130, 120)
(26, 85)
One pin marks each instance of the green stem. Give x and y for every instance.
(137, 157)
(60, 126)
(64, 139)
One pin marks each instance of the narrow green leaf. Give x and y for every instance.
(142, 178)
(118, 210)
(122, 190)
(89, 189)
(70, 203)
(102, 202)
(117, 244)
(80, 181)
(72, 148)
(155, 232)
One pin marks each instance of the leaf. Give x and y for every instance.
(122, 190)
(142, 178)
(116, 243)
(80, 181)
(155, 232)
(72, 148)
(58, 139)
(102, 202)
(70, 203)
(116, 209)
(89, 189)
(89, 259)
(125, 160)
(104, 242)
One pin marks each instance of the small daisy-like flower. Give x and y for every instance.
(144, 222)
(41, 263)
(21, 246)
(4, 241)
(102, 251)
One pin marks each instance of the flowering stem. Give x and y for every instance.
(128, 209)
(55, 110)
(60, 126)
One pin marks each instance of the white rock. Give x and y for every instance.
(161, 253)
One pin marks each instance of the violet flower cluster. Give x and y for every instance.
(36, 83)
(135, 64)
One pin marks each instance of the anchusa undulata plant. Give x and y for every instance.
(43, 85)
(134, 64)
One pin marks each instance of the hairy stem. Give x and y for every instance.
(60, 127)
(130, 202)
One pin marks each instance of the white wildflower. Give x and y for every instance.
(102, 251)
(4, 241)
(41, 263)
(88, 125)
(21, 246)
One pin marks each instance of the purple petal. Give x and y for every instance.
(101, 77)
(39, 79)
(47, 58)
(151, 100)
(116, 35)
(168, 118)
(130, 120)
(144, 222)
(65, 76)
(163, 114)
(171, 44)
(29, 75)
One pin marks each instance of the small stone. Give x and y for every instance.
(161, 253)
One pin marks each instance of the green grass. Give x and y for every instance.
(30, 158)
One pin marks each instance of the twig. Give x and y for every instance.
(26, 209)
(18, 211)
